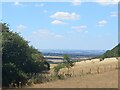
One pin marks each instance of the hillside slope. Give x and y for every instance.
(115, 52)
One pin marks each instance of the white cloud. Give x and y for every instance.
(114, 14)
(80, 28)
(57, 22)
(20, 28)
(43, 33)
(102, 23)
(76, 2)
(107, 2)
(65, 15)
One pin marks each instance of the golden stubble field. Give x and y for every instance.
(88, 74)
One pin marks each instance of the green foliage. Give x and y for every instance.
(11, 74)
(66, 58)
(67, 61)
(57, 68)
(39, 78)
(18, 58)
(115, 52)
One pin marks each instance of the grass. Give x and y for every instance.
(86, 70)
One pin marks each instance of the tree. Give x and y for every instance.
(18, 58)
(68, 62)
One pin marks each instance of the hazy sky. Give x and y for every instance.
(64, 25)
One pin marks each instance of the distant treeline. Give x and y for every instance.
(72, 55)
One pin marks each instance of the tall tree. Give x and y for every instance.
(18, 58)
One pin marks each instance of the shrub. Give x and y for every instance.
(68, 62)
(57, 68)
(18, 58)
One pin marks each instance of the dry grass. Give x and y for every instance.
(52, 65)
(88, 74)
(104, 80)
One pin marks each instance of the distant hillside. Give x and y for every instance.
(73, 53)
(115, 52)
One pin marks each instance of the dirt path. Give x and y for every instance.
(103, 80)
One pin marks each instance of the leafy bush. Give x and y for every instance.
(18, 58)
(68, 62)
(57, 68)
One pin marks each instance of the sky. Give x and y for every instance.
(64, 25)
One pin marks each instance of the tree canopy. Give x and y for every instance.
(18, 58)
(67, 61)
